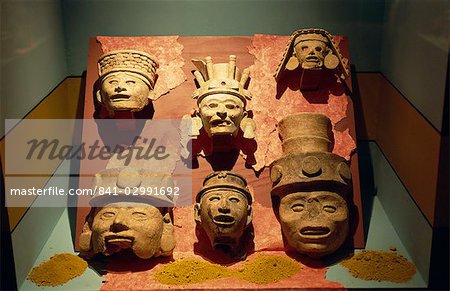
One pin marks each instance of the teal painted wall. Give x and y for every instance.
(33, 56)
(415, 52)
(410, 224)
(33, 231)
(360, 20)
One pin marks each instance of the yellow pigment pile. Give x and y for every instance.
(58, 270)
(190, 271)
(261, 270)
(380, 266)
(268, 269)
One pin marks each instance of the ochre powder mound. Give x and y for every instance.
(261, 270)
(58, 270)
(268, 269)
(190, 271)
(380, 266)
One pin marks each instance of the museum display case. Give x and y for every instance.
(210, 150)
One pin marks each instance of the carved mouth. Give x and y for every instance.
(119, 97)
(119, 240)
(312, 59)
(315, 232)
(220, 123)
(224, 220)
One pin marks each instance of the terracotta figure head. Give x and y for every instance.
(223, 209)
(221, 97)
(121, 222)
(127, 79)
(311, 186)
(311, 49)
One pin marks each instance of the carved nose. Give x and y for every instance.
(224, 207)
(118, 227)
(313, 211)
(222, 114)
(119, 224)
(119, 89)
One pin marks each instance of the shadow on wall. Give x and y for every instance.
(75, 163)
(366, 176)
(8, 274)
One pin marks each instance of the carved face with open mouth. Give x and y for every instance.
(121, 226)
(314, 223)
(311, 53)
(125, 91)
(224, 215)
(221, 114)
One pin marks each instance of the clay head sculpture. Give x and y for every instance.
(221, 97)
(223, 210)
(311, 49)
(122, 222)
(127, 79)
(311, 186)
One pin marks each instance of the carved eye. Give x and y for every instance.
(304, 48)
(113, 82)
(234, 199)
(297, 207)
(329, 208)
(212, 105)
(230, 106)
(108, 214)
(318, 48)
(214, 198)
(131, 82)
(139, 215)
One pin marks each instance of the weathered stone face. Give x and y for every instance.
(124, 91)
(312, 186)
(124, 225)
(223, 210)
(311, 53)
(314, 223)
(221, 114)
(224, 215)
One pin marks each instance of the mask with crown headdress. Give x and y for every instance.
(126, 80)
(222, 97)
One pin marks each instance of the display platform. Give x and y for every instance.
(381, 235)
(174, 88)
(176, 101)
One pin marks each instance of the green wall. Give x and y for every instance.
(360, 20)
(33, 54)
(415, 53)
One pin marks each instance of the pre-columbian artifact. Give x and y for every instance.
(221, 98)
(313, 51)
(311, 186)
(224, 211)
(119, 222)
(126, 80)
